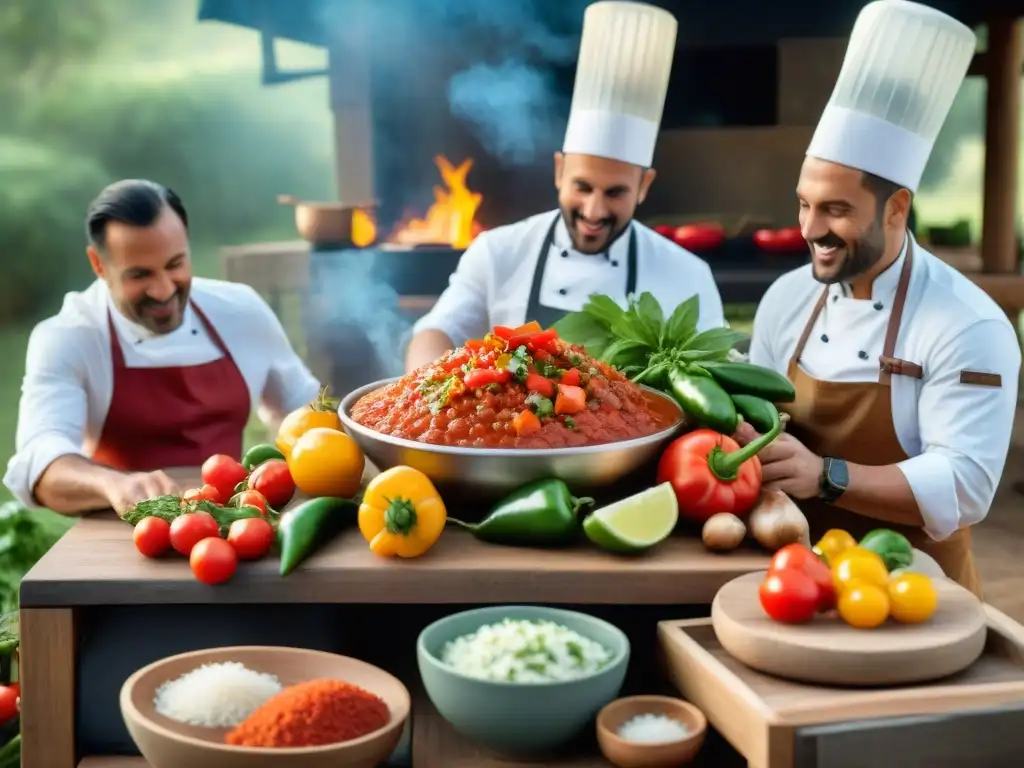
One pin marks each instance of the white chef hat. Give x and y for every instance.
(903, 67)
(621, 81)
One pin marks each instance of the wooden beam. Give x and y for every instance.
(1002, 146)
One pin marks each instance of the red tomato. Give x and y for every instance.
(152, 536)
(213, 560)
(699, 237)
(571, 377)
(252, 499)
(797, 557)
(780, 240)
(666, 230)
(274, 480)
(789, 596)
(190, 529)
(9, 695)
(251, 537)
(223, 473)
(541, 385)
(206, 493)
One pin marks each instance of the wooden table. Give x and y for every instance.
(95, 564)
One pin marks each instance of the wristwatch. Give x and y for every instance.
(835, 476)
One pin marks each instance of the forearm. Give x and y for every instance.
(73, 485)
(881, 493)
(425, 347)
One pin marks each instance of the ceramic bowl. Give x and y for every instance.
(633, 754)
(519, 720)
(166, 743)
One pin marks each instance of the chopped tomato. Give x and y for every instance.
(504, 332)
(456, 361)
(541, 385)
(532, 341)
(476, 345)
(570, 400)
(531, 327)
(481, 377)
(526, 423)
(572, 377)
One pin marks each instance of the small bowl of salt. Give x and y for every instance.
(650, 732)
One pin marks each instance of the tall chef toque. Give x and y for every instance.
(904, 65)
(621, 81)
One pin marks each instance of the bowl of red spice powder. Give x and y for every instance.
(330, 710)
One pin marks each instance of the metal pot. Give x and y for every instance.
(324, 223)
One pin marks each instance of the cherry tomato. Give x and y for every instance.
(251, 499)
(834, 543)
(213, 560)
(251, 537)
(860, 565)
(152, 536)
(863, 605)
(206, 493)
(9, 695)
(189, 529)
(274, 480)
(789, 596)
(799, 558)
(223, 473)
(912, 598)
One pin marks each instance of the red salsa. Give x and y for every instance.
(516, 388)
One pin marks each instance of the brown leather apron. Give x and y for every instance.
(853, 421)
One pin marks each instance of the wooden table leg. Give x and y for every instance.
(47, 672)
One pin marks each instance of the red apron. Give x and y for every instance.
(175, 416)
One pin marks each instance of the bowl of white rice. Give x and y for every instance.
(521, 680)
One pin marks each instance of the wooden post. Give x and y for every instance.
(349, 53)
(1002, 146)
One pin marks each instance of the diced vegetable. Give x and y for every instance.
(570, 400)
(540, 384)
(572, 377)
(481, 377)
(526, 423)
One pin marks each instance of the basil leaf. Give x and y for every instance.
(682, 323)
(583, 329)
(625, 352)
(603, 308)
(649, 310)
(715, 340)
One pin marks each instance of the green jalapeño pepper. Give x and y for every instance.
(310, 525)
(541, 513)
(894, 548)
(259, 454)
(750, 379)
(701, 397)
(757, 412)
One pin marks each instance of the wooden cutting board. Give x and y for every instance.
(830, 652)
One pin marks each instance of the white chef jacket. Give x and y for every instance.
(69, 376)
(957, 435)
(491, 285)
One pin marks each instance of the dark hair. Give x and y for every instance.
(881, 188)
(135, 202)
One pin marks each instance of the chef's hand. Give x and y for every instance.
(126, 489)
(786, 464)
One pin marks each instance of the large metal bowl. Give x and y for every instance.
(493, 472)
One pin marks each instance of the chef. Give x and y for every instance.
(147, 368)
(905, 371)
(548, 265)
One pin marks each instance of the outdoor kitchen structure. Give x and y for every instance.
(419, 172)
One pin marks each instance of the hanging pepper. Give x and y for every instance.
(711, 473)
(402, 513)
(541, 513)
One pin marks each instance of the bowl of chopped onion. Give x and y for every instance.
(262, 707)
(650, 732)
(521, 680)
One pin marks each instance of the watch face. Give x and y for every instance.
(838, 475)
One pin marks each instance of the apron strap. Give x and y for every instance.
(885, 368)
(809, 327)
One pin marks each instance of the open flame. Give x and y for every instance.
(451, 220)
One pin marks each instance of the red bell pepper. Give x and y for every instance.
(503, 332)
(481, 377)
(710, 473)
(532, 339)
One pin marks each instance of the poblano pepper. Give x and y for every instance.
(703, 398)
(541, 513)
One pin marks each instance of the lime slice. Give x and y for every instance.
(636, 523)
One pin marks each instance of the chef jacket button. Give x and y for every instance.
(824, 337)
(615, 263)
(835, 297)
(565, 254)
(562, 291)
(195, 332)
(879, 306)
(862, 355)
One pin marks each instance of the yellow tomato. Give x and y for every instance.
(322, 412)
(912, 598)
(864, 606)
(326, 462)
(834, 543)
(856, 564)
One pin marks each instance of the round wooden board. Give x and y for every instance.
(830, 652)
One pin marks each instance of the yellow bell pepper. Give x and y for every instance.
(402, 513)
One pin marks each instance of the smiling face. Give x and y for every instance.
(148, 270)
(598, 197)
(853, 223)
